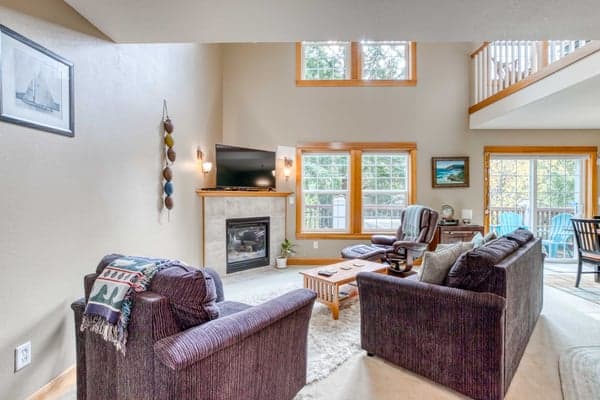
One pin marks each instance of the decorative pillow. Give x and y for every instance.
(521, 236)
(489, 237)
(472, 270)
(436, 264)
(191, 292)
(477, 240)
(464, 246)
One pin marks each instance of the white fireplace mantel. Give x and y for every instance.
(218, 206)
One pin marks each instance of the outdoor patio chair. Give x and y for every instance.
(560, 235)
(587, 233)
(508, 222)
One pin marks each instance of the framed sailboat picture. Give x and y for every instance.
(36, 85)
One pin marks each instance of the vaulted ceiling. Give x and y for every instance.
(292, 20)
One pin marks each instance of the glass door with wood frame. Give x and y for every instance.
(540, 193)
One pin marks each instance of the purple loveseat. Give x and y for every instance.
(467, 340)
(251, 353)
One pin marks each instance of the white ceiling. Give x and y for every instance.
(293, 20)
(577, 107)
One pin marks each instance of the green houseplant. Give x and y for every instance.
(286, 250)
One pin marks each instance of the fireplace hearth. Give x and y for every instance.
(247, 243)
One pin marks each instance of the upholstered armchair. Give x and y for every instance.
(254, 353)
(416, 230)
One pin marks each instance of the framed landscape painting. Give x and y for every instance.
(36, 85)
(449, 172)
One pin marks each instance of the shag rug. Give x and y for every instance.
(580, 373)
(330, 342)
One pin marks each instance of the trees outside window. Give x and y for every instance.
(366, 63)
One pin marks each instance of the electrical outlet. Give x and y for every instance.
(315, 244)
(22, 356)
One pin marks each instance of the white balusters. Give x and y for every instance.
(502, 63)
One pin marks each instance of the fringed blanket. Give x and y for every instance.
(108, 310)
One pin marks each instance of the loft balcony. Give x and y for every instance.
(536, 85)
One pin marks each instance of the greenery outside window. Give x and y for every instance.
(353, 190)
(366, 63)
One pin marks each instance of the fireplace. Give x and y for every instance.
(247, 243)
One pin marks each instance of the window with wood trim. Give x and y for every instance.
(365, 63)
(353, 190)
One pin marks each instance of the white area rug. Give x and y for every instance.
(330, 342)
(580, 373)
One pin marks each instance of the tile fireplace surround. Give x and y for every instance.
(219, 206)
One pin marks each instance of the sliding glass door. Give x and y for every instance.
(540, 193)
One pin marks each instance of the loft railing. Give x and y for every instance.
(498, 66)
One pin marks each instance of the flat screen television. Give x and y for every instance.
(240, 168)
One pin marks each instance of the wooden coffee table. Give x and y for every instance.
(331, 290)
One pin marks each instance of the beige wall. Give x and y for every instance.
(263, 107)
(68, 201)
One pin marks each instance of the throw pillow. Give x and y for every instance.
(489, 237)
(477, 240)
(521, 236)
(192, 292)
(472, 270)
(436, 264)
(464, 246)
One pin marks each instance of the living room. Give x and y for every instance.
(235, 78)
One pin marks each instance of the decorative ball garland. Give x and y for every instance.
(167, 173)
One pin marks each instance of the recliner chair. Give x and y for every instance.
(416, 230)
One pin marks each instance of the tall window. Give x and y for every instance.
(384, 190)
(366, 63)
(350, 190)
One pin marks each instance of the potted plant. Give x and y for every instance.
(287, 249)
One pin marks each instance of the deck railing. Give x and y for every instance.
(501, 64)
(543, 218)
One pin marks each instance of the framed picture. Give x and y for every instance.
(449, 172)
(36, 85)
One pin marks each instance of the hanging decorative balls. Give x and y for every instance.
(167, 173)
(168, 125)
(169, 140)
(169, 188)
(171, 155)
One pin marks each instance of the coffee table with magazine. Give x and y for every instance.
(340, 285)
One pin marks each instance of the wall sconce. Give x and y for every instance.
(287, 167)
(206, 165)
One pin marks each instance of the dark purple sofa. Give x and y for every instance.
(469, 341)
(251, 353)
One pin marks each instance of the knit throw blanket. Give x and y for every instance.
(411, 224)
(108, 310)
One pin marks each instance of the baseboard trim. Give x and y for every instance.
(313, 261)
(56, 386)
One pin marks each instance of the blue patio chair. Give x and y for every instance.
(560, 234)
(508, 222)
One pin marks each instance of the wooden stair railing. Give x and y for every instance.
(503, 67)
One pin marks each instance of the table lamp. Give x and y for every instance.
(467, 216)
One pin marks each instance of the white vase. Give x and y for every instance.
(281, 262)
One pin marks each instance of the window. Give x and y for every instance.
(352, 190)
(326, 60)
(384, 190)
(366, 63)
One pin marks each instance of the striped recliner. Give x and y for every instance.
(416, 230)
